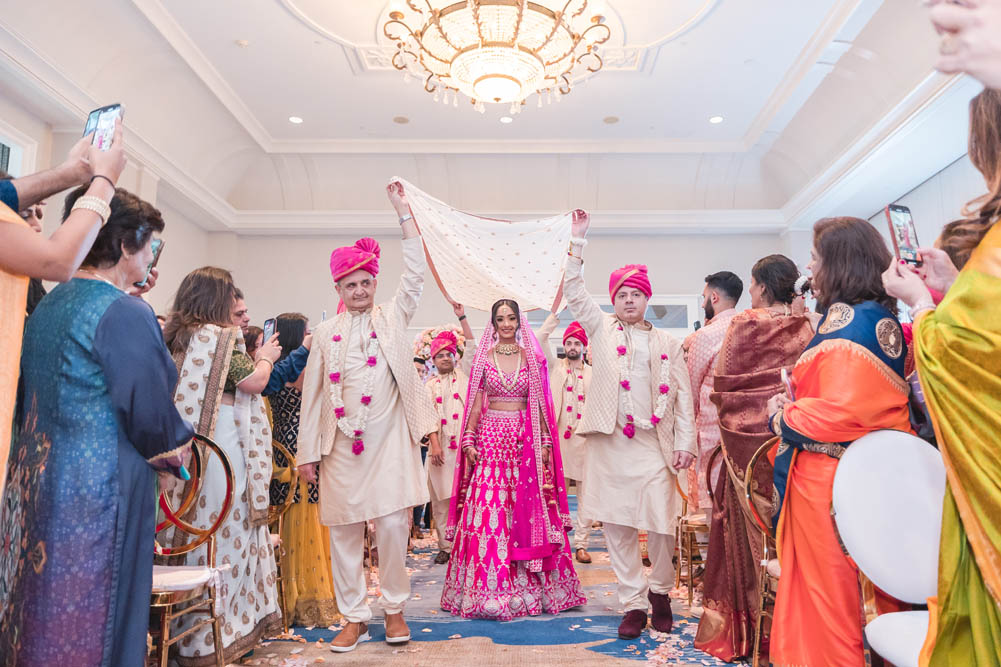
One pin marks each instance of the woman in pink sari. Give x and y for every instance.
(508, 515)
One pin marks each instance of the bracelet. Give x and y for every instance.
(406, 218)
(96, 176)
(575, 240)
(95, 205)
(462, 317)
(468, 440)
(919, 306)
(267, 361)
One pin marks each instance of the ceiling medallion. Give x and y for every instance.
(497, 51)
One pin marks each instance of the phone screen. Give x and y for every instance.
(905, 237)
(102, 123)
(269, 329)
(157, 246)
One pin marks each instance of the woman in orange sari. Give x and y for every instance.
(848, 382)
(759, 343)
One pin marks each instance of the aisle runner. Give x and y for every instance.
(595, 625)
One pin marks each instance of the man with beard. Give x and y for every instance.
(569, 381)
(719, 300)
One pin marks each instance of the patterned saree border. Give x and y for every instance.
(860, 350)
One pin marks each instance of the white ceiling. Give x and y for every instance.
(812, 92)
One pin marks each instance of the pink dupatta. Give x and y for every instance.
(541, 515)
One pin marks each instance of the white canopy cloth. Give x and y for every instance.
(477, 260)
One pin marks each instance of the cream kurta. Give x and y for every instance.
(451, 410)
(388, 475)
(568, 387)
(627, 481)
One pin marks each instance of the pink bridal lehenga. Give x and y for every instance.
(511, 555)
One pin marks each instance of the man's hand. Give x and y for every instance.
(581, 223)
(458, 309)
(398, 198)
(969, 32)
(682, 460)
(437, 454)
(308, 471)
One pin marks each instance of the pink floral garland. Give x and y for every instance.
(573, 390)
(632, 421)
(355, 430)
(439, 406)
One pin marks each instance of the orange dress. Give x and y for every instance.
(849, 382)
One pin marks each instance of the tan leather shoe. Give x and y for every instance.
(349, 638)
(583, 556)
(397, 631)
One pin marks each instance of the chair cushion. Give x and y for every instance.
(168, 578)
(898, 637)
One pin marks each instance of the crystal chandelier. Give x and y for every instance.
(497, 51)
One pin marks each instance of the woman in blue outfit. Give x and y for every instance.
(97, 422)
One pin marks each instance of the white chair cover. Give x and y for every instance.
(479, 260)
(898, 637)
(887, 503)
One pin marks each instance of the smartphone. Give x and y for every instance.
(905, 237)
(102, 123)
(269, 329)
(157, 246)
(787, 381)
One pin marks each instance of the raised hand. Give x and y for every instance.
(581, 223)
(458, 309)
(398, 198)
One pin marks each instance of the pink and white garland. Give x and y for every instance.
(357, 429)
(660, 407)
(440, 407)
(573, 390)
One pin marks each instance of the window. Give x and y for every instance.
(4, 157)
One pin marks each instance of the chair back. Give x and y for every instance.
(275, 512)
(887, 506)
(200, 450)
(748, 504)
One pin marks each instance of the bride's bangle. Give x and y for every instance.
(468, 440)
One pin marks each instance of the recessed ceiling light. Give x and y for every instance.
(506, 119)
(242, 43)
(610, 120)
(716, 120)
(295, 120)
(401, 120)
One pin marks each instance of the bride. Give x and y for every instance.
(508, 515)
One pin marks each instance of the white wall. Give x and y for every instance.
(186, 249)
(292, 274)
(938, 200)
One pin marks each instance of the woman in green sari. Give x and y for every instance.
(958, 354)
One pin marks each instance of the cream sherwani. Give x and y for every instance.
(387, 478)
(628, 483)
(448, 395)
(570, 389)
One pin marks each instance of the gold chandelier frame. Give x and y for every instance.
(412, 51)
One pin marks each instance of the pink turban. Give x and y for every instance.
(630, 275)
(446, 340)
(364, 254)
(575, 330)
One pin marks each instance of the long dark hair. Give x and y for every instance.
(985, 153)
(510, 303)
(205, 296)
(291, 330)
(853, 257)
(777, 275)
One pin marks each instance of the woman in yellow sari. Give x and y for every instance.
(848, 382)
(958, 354)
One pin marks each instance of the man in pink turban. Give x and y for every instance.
(570, 381)
(639, 431)
(447, 391)
(363, 410)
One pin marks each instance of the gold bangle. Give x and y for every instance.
(95, 205)
(267, 361)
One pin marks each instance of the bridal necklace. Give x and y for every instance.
(509, 385)
(507, 349)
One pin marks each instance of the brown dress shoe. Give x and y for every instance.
(397, 631)
(349, 638)
(633, 624)
(583, 556)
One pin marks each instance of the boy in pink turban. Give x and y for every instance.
(448, 391)
(363, 408)
(639, 431)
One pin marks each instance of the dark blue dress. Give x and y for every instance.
(76, 538)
